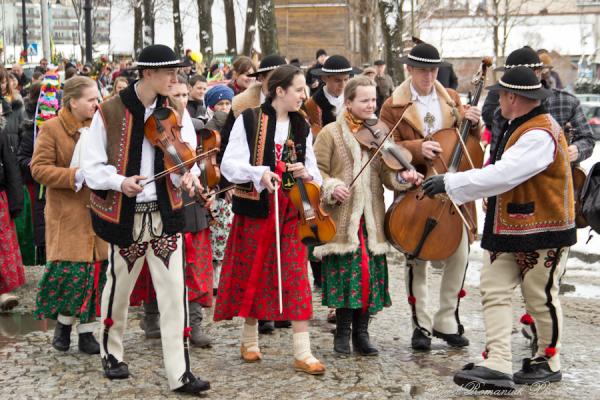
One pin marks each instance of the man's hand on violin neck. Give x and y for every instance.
(431, 149)
(298, 170)
(268, 179)
(130, 186)
(190, 184)
(473, 114)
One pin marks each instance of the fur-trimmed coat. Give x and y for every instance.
(249, 98)
(340, 157)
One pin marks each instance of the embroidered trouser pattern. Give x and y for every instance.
(538, 273)
(446, 319)
(164, 255)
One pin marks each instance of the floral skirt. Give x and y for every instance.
(24, 227)
(248, 286)
(72, 289)
(12, 274)
(219, 231)
(352, 280)
(198, 273)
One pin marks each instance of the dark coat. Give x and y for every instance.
(10, 177)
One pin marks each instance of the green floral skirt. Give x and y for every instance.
(343, 280)
(72, 289)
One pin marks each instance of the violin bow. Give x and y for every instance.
(377, 151)
(278, 247)
(176, 167)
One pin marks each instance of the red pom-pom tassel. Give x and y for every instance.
(462, 293)
(550, 351)
(412, 300)
(526, 319)
(187, 331)
(108, 322)
(484, 354)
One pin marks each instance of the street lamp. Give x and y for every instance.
(25, 45)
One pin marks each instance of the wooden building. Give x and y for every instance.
(347, 27)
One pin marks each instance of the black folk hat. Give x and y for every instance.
(522, 80)
(423, 55)
(158, 56)
(268, 64)
(336, 65)
(525, 56)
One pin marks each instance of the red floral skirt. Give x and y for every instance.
(248, 284)
(198, 273)
(12, 274)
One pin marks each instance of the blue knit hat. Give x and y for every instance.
(216, 94)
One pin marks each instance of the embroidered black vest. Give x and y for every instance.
(113, 212)
(259, 124)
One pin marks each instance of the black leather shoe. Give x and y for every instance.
(114, 369)
(453, 339)
(477, 378)
(88, 344)
(283, 324)
(420, 341)
(536, 371)
(62, 337)
(341, 338)
(194, 386)
(266, 327)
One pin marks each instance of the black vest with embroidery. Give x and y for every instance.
(113, 212)
(259, 124)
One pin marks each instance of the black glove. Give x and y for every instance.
(434, 185)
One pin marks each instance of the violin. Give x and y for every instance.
(431, 228)
(579, 176)
(163, 130)
(373, 135)
(316, 226)
(210, 174)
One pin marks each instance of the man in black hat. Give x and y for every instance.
(529, 226)
(327, 102)
(563, 106)
(141, 221)
(423, 107)
(314, 81)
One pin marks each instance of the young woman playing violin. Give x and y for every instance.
(355, 274)
(255, 160)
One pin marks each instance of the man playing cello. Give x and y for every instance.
(428, 107)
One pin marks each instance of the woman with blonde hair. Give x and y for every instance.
(72, 282)
(354, 266)
(119, 84)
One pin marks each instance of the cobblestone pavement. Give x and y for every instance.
(31, 368)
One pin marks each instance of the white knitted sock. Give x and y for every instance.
(250, 337)
(65, 319)
(302, 348)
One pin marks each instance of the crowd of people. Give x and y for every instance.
(101, 193)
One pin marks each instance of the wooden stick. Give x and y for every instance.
(278, 247)
(166, 172)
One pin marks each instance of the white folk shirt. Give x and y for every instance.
(428, 104)
(530, 155)
(336, 102)
(99, 175)
(236, 167)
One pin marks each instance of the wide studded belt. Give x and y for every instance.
(148, 207)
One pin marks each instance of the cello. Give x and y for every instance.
(431, 228)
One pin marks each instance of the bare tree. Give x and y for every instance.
(267, 27)
(250, 29)
(392, 26)
(178, 32)
(206, 32)
(230, 27)
(149, 22)
(78, 9)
